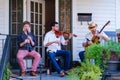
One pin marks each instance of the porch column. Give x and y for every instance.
(24, 10)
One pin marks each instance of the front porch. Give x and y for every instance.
(15, 70)
(55, 76)
(42, 72)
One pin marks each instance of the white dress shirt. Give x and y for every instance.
(50, 37)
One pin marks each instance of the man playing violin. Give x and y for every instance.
(92, 37)
(53, 43)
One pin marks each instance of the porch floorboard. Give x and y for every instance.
(44, 76)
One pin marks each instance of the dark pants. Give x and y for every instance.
(65, 53)
(81, 55)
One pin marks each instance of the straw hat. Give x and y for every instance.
(92, 25)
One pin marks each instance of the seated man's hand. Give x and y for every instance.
(29, 38)
(27, 41)
(90, 42)
(100, 35)
(57, 42)
(85, 44)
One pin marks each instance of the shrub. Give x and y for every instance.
(86, 71)
(7, 73)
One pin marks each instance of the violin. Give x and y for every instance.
(65, 34)
(95, 39)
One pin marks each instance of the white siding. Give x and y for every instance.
(4, 20)
(102, 11)
(117, 14)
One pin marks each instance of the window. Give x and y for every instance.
(16, 16)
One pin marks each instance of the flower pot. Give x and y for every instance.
(112, 65)
(114, 56)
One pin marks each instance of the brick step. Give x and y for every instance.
(112, 75)
(112, 72)
(43, 76)
(27, 77)
(112, 78)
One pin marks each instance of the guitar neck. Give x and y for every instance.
(104, 26)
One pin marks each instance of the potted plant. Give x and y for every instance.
(105, 55)
(113, 48)
(98, 55)
(92, 67)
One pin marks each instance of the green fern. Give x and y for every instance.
(86, 71)
(7, 73)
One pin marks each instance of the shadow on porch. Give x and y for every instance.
(42, 76)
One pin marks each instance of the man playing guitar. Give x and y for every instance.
(94, 36)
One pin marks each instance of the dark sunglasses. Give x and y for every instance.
(91, 27)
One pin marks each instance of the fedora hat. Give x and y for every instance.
(92, 25)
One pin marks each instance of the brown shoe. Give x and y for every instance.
(62, 74)
(23, 73)
(66, 72)
(32, 73)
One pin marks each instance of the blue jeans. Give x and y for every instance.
(81, 55)
(65, 53)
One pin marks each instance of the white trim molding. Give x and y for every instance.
(57, 10)
(117, 14)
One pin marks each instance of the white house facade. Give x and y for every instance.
(101, 11)
(4, 21)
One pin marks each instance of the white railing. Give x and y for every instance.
(112, 35)
(2, 42)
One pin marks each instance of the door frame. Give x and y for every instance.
(27, 15)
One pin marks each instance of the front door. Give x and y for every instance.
(35, 13)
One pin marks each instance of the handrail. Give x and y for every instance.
(4, 56)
